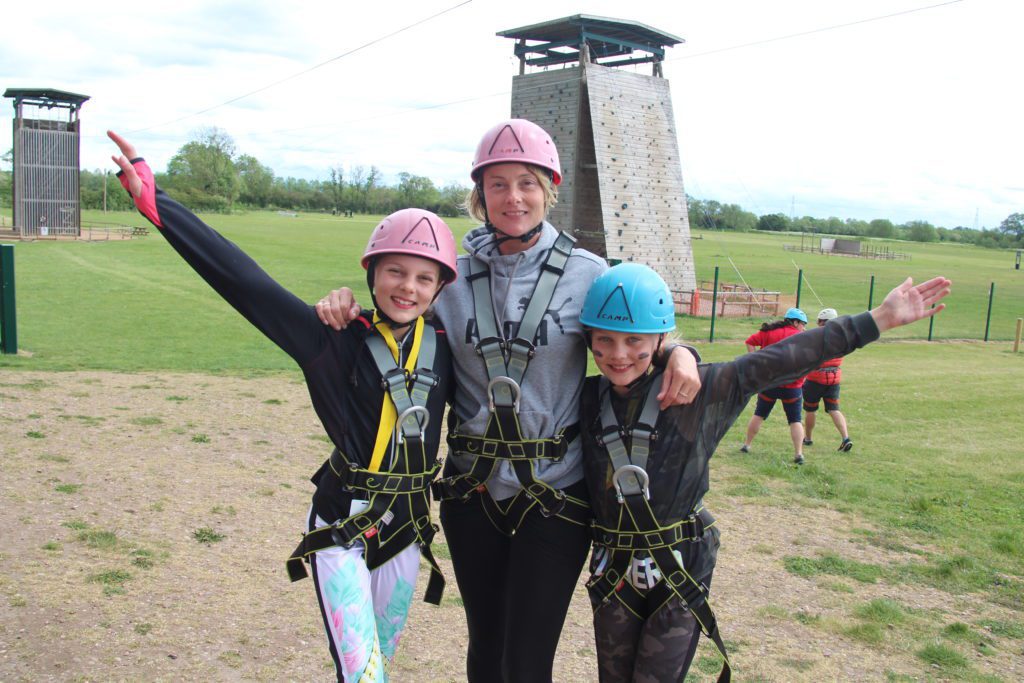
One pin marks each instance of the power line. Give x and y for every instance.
(812, 31)
(441, 105)
(304, 71)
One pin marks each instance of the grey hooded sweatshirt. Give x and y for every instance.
(554, 379)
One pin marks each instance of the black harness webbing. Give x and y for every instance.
(506, 362)
(398, 510)
(638, 530)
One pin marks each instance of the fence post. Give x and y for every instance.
(1016, 338)
(871, 292)
(799, 284)
(714, 303)
(8, 319)
(931, 325)
(988, 316)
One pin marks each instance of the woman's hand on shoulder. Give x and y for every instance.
(681, 380)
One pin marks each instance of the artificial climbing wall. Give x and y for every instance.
(622, 192)
(551, 99)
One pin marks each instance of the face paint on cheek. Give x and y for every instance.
(598, 354)
(643, 356)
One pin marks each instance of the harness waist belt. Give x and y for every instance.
(552, 448)
(359, 479)
(690, 529)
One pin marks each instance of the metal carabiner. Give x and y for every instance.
(516, 392)
(409, 411)
(640, 473)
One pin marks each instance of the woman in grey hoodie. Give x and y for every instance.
(514, 506)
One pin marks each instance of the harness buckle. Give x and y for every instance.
(643, 432)
(516, 392)
(519, 345)
(490, 341)
(560, 505)
(641, 475)
(431, 377)
(614, 430)
(391, 380)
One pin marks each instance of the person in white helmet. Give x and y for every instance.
(823, 385)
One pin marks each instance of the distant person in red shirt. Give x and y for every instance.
(790, 394)
(823, 383)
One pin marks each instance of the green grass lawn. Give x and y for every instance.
(937, 426)
(134, 305)
(844, 283)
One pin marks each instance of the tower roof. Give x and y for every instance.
(561, 41)
(46, 97)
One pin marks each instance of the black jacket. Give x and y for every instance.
(343, 381)
(688, 435)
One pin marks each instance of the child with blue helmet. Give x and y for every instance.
(646, 469)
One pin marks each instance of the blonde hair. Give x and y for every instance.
(475, 202)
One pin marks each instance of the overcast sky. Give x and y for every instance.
(914, 116)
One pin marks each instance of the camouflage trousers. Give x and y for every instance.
(657, 649)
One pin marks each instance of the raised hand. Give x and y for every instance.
(137, 178)
(125, 163)
(909, 303)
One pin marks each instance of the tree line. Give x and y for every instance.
(208, 173)
(708, 214)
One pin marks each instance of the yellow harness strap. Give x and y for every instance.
(388, 414)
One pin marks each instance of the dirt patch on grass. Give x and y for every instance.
(145, 519)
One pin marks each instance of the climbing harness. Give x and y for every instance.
(391, 509)
(506, 361)
(639, 532)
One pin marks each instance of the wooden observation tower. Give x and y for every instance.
(622, 190)
(47, 143)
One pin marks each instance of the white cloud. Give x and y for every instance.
(910, 117)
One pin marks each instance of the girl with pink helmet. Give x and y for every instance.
(514, 505)
(379, 388)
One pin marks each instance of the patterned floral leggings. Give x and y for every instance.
(364, 611)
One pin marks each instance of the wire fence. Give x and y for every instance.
(984, 316)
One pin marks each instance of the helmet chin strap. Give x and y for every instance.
(524, 238)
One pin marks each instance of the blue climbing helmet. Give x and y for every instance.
(629, 297)
(796, 314)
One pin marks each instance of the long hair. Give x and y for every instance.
(774, 325)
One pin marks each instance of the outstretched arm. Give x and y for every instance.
(797, 355)
(909, 303)
(284, 318)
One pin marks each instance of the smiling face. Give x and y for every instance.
(515, 199)
(622, 357)
(404, 286)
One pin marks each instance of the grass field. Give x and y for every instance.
(133, 304)
(937, 467)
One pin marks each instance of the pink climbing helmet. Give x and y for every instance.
(415, 232)
(517, 141)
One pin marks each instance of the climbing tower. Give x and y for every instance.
(47, 140)
(622, 190)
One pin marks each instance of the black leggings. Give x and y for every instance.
(516, 590)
